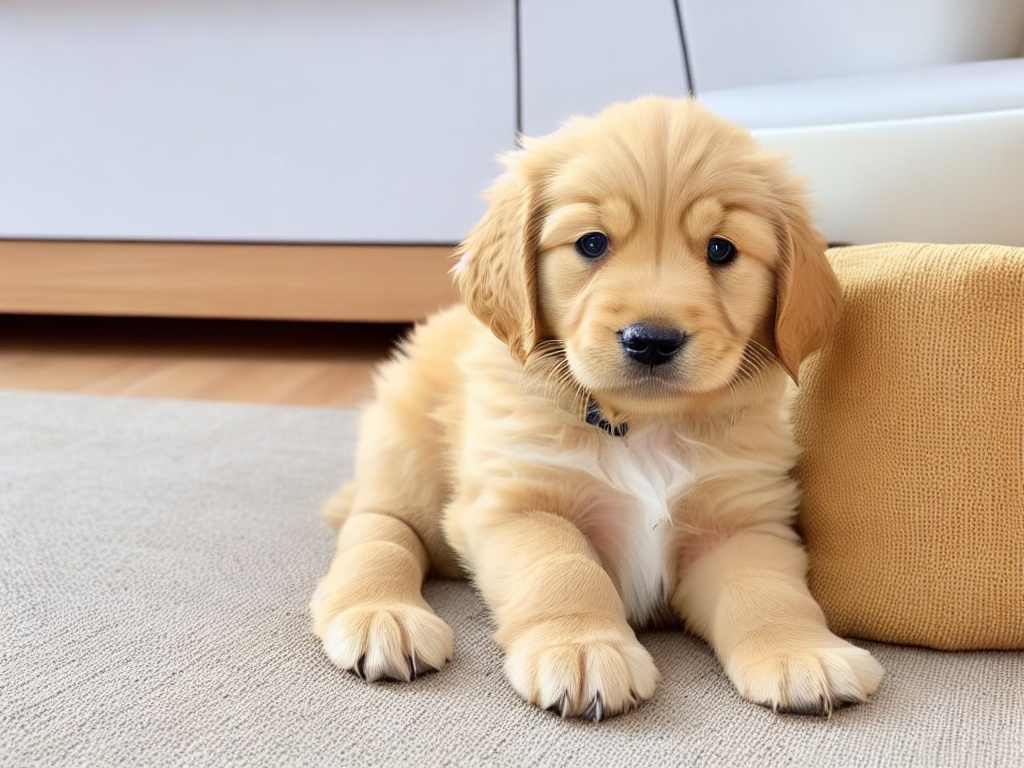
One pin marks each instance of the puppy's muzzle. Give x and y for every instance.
(650, 345)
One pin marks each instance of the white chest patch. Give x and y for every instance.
(644, 473)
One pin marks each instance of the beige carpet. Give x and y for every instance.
(155, 562)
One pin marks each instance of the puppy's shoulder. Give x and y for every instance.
(439, 354)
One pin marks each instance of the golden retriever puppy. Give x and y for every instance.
(599, 436)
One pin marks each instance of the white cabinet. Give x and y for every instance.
(261, 120)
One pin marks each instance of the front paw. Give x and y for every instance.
(590, 674)
(392, 641)
(810, 672)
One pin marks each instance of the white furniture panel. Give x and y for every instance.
(952, 89)
(253, 120)
(945, 179)
(578, 56)
(735, 43)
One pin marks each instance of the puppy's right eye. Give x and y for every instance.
(592, 245)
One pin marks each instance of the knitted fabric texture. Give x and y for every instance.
(912, 424)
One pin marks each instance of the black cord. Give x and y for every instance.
(682, 42)
(519, 73)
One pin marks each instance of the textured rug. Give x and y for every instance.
(156, 559)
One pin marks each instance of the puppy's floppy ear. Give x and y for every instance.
(497, 269)
(808, 297)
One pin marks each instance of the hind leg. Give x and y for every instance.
(368, 611)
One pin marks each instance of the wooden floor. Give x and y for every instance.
(293, 363)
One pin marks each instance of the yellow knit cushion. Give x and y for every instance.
(912, 423)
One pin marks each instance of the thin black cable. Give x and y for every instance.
(682, 42)
(519, 72)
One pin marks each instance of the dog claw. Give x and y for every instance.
(595, 710)
(417, 668)
(358, 669)
(824, 707)
(561, 707)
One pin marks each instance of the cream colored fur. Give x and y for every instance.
(475, 457)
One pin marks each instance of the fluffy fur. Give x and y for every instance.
(476, 457)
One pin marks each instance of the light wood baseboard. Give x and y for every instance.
(257, 281)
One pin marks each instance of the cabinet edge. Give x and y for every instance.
(362, 283)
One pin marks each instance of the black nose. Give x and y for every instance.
(650, 345)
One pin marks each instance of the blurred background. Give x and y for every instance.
(251, 199)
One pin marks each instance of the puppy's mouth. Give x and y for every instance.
(622, 386)
(629, 380)
(648, 382)
(686, 375)
(610, 373)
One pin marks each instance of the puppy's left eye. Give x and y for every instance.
(592, 245)
(720, 251)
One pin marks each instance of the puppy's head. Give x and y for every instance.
(657, 248)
